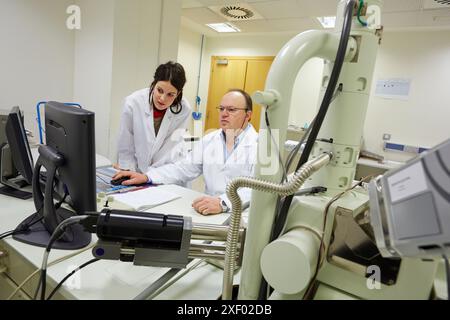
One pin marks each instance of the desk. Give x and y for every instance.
(104, 279)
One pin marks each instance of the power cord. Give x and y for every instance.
(59, 260)
(296, 149)
(361, 5)
(59, 231)
(69, 275)
(23, 228)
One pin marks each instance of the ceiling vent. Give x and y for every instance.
(237, 12)
(436, 4)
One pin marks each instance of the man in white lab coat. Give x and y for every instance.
(220, 156)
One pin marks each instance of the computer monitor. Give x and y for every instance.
(69, 156)
(17, 149)
(6, 162)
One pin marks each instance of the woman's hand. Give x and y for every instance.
(133, 177)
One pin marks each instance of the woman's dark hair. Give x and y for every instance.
(174, 73)
(248, 99)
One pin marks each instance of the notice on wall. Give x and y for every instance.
(395, 88)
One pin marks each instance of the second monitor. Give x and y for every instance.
(16, 162)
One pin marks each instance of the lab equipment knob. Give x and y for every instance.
(289, 262)
(266, 98)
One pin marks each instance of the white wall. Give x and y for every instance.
(135, 55)
(189, 51)
(36, 56)
(307, 86)
(93, 63)
(117, 51)
(423, 120)
(146, 33)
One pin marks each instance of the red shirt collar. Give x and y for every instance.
(158, 113)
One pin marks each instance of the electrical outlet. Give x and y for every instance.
(386, 136)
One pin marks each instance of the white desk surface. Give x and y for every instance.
(115, 279)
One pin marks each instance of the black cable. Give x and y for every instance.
(69, 275)
(59, 204)
(22, 228)
(6, 234)
(59, 231)
(276, 146)
(38, 286)
(296, 149)
(339, 61)
(55, 236)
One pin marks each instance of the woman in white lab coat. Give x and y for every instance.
(153, 121)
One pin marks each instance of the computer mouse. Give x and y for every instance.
(118, 182)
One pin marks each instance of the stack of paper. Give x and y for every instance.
(144, 199)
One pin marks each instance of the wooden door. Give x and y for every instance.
(224, 76)
(245, 73)
(255, 80)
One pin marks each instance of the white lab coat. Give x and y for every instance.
(207, 157)
(138, 146)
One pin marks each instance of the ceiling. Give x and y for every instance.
(299, 15)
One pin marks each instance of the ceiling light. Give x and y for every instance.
(327, 22)
(223, 27)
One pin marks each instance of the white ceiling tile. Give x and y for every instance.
(191, 4)
(435, 18)
(315, 8)
(202, 15)
(253, 26)
(279, 9)
(400, 20)
(296, 24)
(401, 5)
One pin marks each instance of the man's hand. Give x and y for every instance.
(207, 205)
(133, 177)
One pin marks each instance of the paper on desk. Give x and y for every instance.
(145, 199)
(135, 275)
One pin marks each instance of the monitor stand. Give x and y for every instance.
(11, 188)
(45, 221)
(15, 192)
(38, 235)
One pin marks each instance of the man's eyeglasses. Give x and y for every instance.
(229, 109)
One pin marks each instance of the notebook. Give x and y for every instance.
(144, 199)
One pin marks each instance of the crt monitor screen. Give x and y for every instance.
(18, 143)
